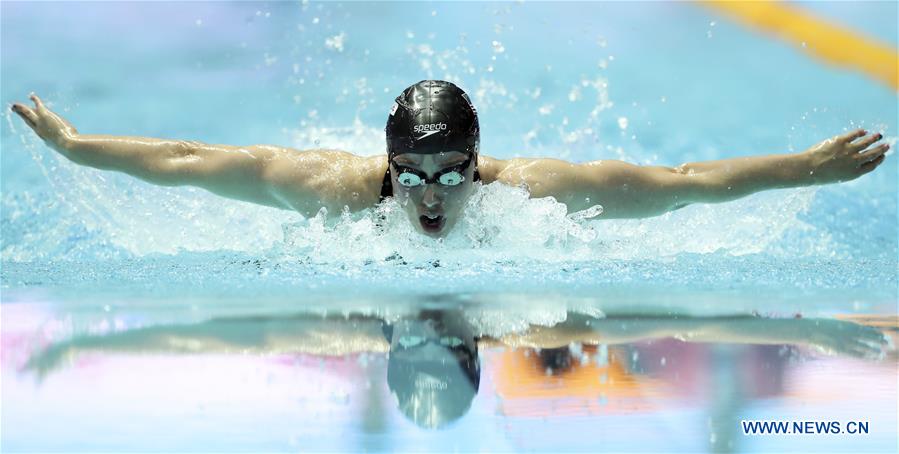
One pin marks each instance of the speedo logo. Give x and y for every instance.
(429, 129)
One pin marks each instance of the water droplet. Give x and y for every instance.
(335, 43)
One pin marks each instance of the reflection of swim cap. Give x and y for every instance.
(432, 116)
(435, 386)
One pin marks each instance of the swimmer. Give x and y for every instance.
(433, 160)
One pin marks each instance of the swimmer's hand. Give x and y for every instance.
(843, 338)
(845, 157)
(46, 361)
(49, 126)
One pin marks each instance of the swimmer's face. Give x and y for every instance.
(433, 208)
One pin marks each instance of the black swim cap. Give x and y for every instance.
(432, 116)
(436, 386)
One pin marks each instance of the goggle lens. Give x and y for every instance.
(411, 180)
(415, 341)
(451, 179)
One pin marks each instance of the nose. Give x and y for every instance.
(429, 199)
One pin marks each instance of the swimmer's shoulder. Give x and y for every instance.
(361, 180)
(307, 180)
(511, 171)
(369, 176)
(491, 168)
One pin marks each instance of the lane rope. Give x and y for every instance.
(821, 39)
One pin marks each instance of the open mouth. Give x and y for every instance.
(431, 223)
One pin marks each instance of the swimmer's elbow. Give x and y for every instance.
(199, 164)
(686, 186)
(178, 166)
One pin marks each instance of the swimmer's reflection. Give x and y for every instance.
(433, 368)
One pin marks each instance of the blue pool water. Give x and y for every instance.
(89, 255)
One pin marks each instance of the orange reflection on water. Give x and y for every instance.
(527, 387)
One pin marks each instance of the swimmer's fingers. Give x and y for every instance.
(38, 104)
(31, 114)
(847, 345)
(865, 141)
(46, 124)
(869, 166)
(871, 154)
(27, 114)
(850, 136)
(868, 350)
(870, 334)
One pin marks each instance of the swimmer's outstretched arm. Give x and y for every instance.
(833, 336)
(329, 336)
(631, 191)
(304, 181)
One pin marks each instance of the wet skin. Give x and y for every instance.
(434, 199)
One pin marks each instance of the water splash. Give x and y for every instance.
(501, 222)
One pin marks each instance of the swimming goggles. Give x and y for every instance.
(415, 347)
(414, 341)
(450, 176)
